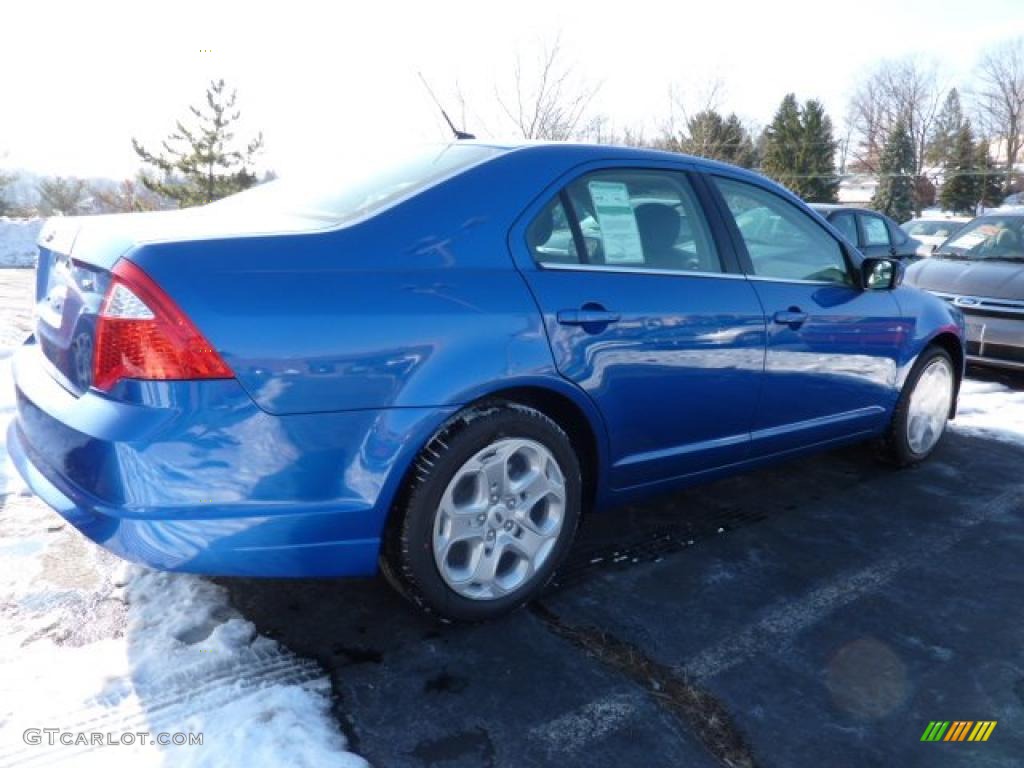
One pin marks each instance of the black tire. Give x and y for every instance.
(896, 448)
(407, 557)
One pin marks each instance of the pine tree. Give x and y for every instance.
(960, 188)
(820, 183)
(988, 179)
(799, 151)
(783, 145)
(710, 135)
(895, 194)
(942, 148)
(203, 163)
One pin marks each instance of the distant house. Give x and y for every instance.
(857, 189)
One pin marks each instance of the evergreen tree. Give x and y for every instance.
(942, 146)
(799, 150)
(820, 183)
(988, 179)
(960, 188)
(61, 196)
(203, 163)
(710, 135)
(895, 194)
(783, 145)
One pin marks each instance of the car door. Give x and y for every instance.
(645, 313)
(830, 368)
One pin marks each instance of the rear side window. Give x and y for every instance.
(846, 224)
(782, 241)
(628, 219)
(875, 231)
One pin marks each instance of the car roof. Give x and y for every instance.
(833, 207)
(584, 152)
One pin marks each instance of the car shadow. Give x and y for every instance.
(347, 622)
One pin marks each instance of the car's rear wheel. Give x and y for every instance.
(923, 409)
(490, 512)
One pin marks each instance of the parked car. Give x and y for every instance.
(932, 233)
(980, 270)
(440, 365)
(873, 233)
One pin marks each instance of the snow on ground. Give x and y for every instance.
(89, 644)
(990, 409)
(18, 241)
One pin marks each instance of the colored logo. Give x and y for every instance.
(959, 730)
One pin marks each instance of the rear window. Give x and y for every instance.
(360, 189)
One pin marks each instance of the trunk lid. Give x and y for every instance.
(77, 254)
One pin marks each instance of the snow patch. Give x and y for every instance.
(18, 241)
(992, 410)
(91, 644)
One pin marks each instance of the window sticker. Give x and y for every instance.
(619, 233)
(970, 239)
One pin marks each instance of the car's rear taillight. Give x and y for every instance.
(141, 334)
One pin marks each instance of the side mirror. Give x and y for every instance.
(881, 274)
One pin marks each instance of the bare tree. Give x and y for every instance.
(127, 197)
(547, 101)
(601, 130)
(1000, 100)
(59, 196)
(907, 91)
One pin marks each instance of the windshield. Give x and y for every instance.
(360, 188)
(988, 237)
(932, 228)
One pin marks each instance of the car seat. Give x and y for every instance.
(659, 227)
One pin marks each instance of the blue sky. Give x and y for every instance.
(80, 79)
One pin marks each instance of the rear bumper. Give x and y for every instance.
(192, 476)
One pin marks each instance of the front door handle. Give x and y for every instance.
(794, 317)
(587, 317)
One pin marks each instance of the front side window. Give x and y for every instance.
(875, 231)
(628, 219)
(782, 241)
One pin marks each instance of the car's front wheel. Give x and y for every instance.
(923, 408)
(489, 513)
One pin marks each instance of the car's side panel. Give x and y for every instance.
(193, 476)
(416, 307)
(926, 318)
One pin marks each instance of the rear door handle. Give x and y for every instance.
(587, 317)
(793, 317)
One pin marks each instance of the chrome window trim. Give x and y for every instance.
(797, 281)
(635, 270)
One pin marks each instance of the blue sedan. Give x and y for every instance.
(436, 367)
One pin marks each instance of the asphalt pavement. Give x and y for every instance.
(820, 612)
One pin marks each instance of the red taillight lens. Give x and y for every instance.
(141, 334)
